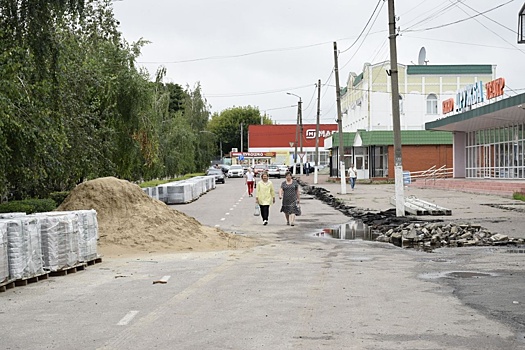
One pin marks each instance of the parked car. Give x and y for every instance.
(273, 171)
(283, 169)
(260, 168)
(236, 171)
(224, 168)
(219, 175)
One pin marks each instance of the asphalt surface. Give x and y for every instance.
(299, 289)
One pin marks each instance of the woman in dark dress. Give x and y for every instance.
(289, 193)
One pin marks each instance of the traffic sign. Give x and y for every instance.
(291, 144)
(241, 157)
(301, 154)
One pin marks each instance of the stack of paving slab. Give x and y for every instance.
(184, 191)
(32, 245)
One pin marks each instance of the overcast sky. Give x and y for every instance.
(246, 52)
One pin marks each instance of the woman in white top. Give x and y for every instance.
(352, 174)
(250, 180)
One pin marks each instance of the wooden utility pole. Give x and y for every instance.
(398, 161)
(339, 122)
(317, 130)
(241, 139)
(301, 135)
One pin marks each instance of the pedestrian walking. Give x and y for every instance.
(250, 180)
(289, 194)
(265, 196)
(352, 175)
(307, 168)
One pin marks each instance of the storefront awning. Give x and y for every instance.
(509, 111)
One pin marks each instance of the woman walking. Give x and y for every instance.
(265, 196)
(289, 193)
(250, 180)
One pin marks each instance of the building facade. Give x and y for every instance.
(366, 99)
(280, 142)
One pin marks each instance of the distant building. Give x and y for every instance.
(276, 143)
(367, 114)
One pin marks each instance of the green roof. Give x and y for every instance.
(358, 79)
(408, 137)
(444, 69)
(386, 138)
(348, 139)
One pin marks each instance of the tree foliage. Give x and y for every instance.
(75, 106)
(227, 126)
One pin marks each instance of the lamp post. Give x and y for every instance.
(299, 124)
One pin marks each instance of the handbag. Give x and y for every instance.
(297, 210)
(257, 211)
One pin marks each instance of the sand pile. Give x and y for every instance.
(131, 221)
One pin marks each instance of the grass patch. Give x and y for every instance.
(519, 196)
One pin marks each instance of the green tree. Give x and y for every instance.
(227, 125)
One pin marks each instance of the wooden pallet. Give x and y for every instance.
(94, 261)
(32, 279)
(68, 270)
(8, 284)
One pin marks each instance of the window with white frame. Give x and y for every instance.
(432, 104)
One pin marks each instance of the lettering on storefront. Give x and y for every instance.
(473, 94)
(310, 133)
(253, 154)
(495, 88)
(448, 106)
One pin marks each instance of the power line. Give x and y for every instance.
(458, 21)
(364, 28)
(259, 92)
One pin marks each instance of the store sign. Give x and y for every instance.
(252, 154)
(310, 133)
(473, 94)
(495, 88)
(469, 96)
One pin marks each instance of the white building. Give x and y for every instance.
(366, 102)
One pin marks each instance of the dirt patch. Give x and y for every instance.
(130, 221)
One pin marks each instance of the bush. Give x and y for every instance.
(28, 206)
(519, 196)
(59, 197)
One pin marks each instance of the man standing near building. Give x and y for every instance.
(307, 168)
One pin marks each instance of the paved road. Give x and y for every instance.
(297, 291)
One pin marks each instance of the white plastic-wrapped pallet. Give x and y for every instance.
(4, 266)
(60, 240)
(11, 215)
(24, 249)
(88, 234)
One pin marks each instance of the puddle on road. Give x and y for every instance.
(353, 230)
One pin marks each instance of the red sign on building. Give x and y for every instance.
(283, 135)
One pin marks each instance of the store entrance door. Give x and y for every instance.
(361, 166)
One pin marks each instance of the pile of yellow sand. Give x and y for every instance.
(131, 221)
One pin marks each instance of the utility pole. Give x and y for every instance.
(294, 171)
(241, 139)
(339, 122)
(317, 130)
(398, 161)
(301, 135)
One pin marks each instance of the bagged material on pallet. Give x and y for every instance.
(4, 266)
(88, 234)
(178, 192)
(60, 240)
(11, 215)
(24, 248)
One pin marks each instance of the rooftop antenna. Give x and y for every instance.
(422, 58)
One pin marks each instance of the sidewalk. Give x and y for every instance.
(499, 214)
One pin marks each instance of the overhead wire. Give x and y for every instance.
(458, 21)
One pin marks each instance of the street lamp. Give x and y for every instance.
(299, 123)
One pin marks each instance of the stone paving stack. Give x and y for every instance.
(24, 247)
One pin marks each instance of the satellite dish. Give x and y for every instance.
(422, 59)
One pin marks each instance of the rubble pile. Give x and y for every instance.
(411, 231)
(439, 234)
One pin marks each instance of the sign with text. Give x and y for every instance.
(253, 154)
(473, 94)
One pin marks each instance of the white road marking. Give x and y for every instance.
(227, 214)
(217, 225)
(231, 208)
(223, 219)
(127, 319)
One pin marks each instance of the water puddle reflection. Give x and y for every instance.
(353, 230)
